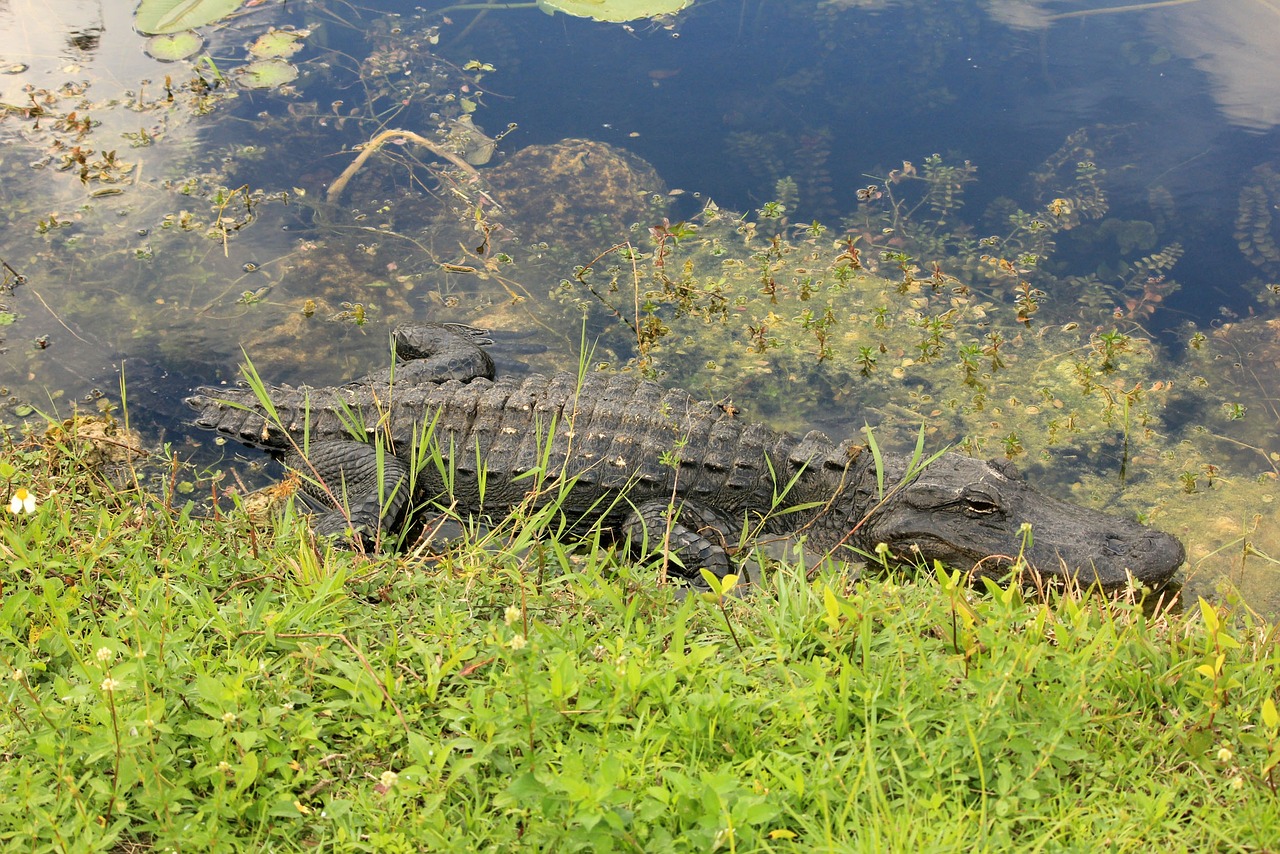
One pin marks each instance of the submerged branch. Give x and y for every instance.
(340, 184)
(463, 7)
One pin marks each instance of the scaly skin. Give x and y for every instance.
(621, 449)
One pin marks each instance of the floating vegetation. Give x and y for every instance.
(158, 17)
(805, 326)
(616, 11)
(172, 48)
(278, 43)
(268, 74)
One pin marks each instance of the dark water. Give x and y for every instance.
(901, 83)
(1179, 104)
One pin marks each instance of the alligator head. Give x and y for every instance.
(970, 513)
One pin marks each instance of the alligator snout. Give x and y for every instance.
(1167, 551)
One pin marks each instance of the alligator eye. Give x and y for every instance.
(977, 504)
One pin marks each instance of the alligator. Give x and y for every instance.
(658, 468)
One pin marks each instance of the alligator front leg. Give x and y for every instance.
(698, 538)
(435, 353)
(366, 490)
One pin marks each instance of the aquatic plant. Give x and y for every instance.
(157, 17)
(615, 11)
(910, 316)
(1257, 230)
(176, 46)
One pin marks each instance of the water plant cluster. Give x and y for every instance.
(910, 314)
(813, 316)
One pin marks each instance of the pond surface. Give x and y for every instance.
(1045, 230)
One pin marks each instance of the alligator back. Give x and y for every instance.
(603, 433)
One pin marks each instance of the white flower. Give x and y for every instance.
(23, 502)
(388, 779)
(511, 614)
(109, 685)
(519, 642)
(104, 655)
(228, 717)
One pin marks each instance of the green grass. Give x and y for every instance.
(204, 684)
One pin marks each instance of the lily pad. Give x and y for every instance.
(158, 17)
(268, 73)
(171, 48)
(278, 44)
(614, 10)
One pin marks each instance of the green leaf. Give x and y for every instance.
(247, 772)
(879, 460)
(1270, 717)
(832, 606)
(155, 17)
(268, 73)
(1209, 616)
(203, 729)
(525, 788)
(171, 48)
(614, 10)
(278, 44)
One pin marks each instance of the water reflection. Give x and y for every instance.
(1232, 42)
(66, 40)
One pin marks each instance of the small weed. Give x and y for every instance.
(1109, 345)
